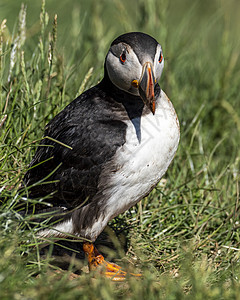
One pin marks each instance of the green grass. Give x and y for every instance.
(185, 235)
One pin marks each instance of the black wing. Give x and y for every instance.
(92, 131)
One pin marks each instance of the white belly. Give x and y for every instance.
(140, 164)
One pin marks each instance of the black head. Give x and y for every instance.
(140, 42)
(134, 63)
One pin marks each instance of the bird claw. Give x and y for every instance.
(96, 262)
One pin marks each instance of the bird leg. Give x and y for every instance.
(96, 262)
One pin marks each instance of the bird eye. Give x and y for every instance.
(123, 57)
(160, 57)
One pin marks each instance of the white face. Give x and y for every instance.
(123, 66)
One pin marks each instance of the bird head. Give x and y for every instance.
(134, 63)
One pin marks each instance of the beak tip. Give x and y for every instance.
(153, 107)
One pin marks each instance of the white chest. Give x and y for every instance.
(150, 146)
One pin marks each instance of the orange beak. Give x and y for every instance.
(146, 87)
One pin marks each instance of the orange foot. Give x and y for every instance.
(97, 262)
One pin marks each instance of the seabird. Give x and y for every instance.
(107, 149)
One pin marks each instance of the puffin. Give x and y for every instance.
(106, 150)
